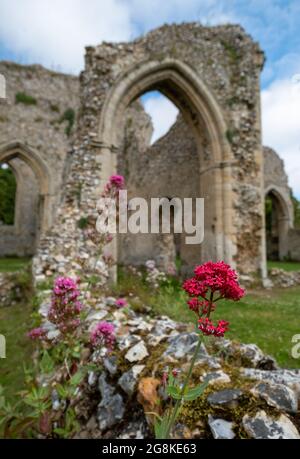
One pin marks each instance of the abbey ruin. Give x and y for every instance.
(64, 136)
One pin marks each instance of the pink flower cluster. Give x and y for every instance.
(207, 327)
(214, 277)
(64, 310)
(211, 283)
(37, 334)
(103, 334)
(114, 184)
(65, 307)
(121, 303)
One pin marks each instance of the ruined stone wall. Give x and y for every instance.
(167, 169)
(281, 238)
(178, 60)
(275, 176)
(32, 117)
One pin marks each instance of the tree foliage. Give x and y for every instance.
(8, 187)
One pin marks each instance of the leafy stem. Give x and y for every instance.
(178, 404)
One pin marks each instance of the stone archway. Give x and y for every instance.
(22, 159)
(278, 223)
(200, 110)
(212, 74)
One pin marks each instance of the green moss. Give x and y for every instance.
(69, 117)
(54, 108)
(197, 412)
(230, 134)
(232, 52)
(83, 223)
(232, 101)
(26, 99)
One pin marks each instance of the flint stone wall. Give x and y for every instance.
(35, 133)
(228, 63)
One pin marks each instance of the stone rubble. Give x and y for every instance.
(221, 429)
(277, 395)
(262, 426)
(238, 401)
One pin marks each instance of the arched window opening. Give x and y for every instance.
(8, 188)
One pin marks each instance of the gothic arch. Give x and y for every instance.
(283, 221)
(31, 157)
(181, 84)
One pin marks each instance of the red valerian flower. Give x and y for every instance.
(207, 327)
(201, 307)
(219, 277)
(65, 307)
(114, 184)
(37, 334)
(121, 303)
(117, 181)
(103, 334)
(211, 283)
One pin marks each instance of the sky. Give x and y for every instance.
(54, 33)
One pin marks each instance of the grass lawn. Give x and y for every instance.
(15, 322)
(285, 265)
(267, 318)
(12, 264)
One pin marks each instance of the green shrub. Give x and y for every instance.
(69, 117)
(23, 98)
(8, 186)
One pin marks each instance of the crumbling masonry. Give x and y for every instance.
(214, 150)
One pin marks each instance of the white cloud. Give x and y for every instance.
(281, 124)
(55, 32)
(163, 113)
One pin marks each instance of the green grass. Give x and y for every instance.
(267, 318)
(13, 264)
(285, 265)
(15, 322)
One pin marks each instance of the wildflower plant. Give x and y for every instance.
(64, 361)
(211, 283)
(64, 356)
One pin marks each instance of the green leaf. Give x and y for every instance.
(77, 378)
(62, 391)
(195, 392)
(174, 392)
(46, 363)
(160, 427)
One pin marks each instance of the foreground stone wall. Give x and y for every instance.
(247, 396)
(212, 74)
(32, 129)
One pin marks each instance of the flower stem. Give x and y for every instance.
(178, 403)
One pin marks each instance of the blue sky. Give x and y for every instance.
(54, 33)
